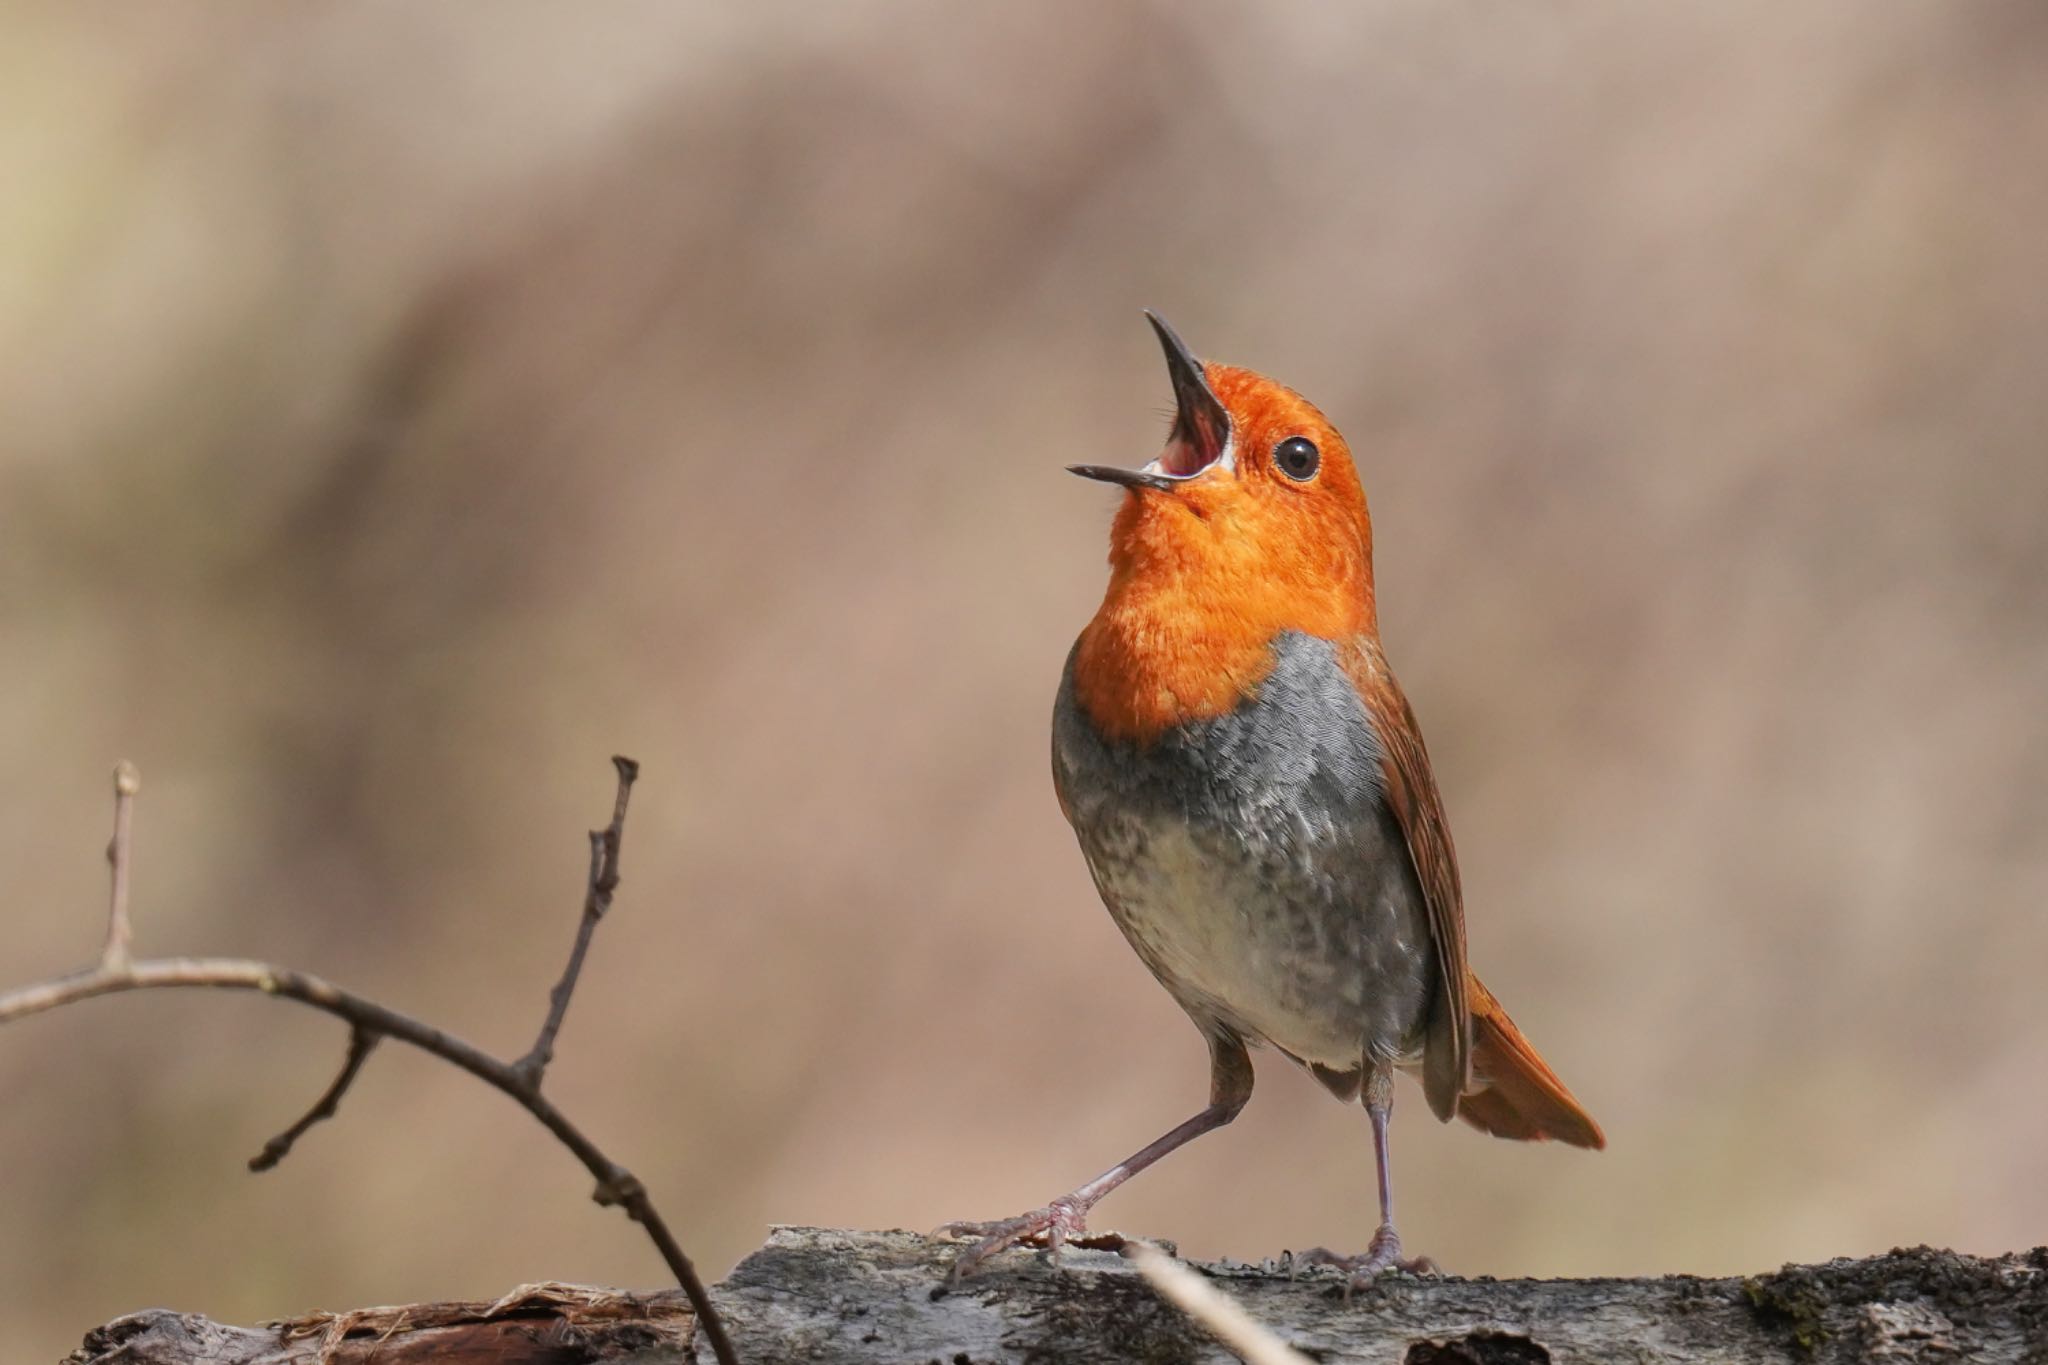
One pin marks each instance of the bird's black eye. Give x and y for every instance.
(1297, 457)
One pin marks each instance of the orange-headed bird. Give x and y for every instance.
(1253, 798)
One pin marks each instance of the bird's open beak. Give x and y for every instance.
(1201, 427)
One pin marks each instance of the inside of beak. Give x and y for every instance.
(1184, 458)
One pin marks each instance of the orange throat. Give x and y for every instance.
(1185, 632)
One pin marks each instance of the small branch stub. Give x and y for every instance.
(127, 782)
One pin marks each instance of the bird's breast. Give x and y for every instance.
(1253, 864)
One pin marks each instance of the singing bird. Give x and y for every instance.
(1252, 795)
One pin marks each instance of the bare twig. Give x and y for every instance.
(1218, 1314)
(117, 974)
(127, 782)
(597, 898)
(360, 1043)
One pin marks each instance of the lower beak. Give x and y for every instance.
(1129, 478)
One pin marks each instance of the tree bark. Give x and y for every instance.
(822, 1297)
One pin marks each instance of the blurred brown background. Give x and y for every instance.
(406, 407)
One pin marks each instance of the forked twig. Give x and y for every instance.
(369, 1021)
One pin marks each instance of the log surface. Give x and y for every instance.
(816, 1296)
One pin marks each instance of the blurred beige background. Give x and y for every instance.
(406, 407)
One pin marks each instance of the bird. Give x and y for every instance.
(1252, 797)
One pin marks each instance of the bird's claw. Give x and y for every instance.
(1382, 1255)
(1052, 1227)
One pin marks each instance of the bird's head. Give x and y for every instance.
(1253, 512)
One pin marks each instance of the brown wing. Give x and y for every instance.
(1412, 796)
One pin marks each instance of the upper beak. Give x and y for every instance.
(1201, 426)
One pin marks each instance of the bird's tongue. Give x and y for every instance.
(1183, 458)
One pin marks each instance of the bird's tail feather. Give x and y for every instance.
(1515, 1094)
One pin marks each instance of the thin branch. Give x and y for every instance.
(116, 975)
(127, 782)
(360, 1043)
(1216, 1312)
(615, 1184)
(597, 899)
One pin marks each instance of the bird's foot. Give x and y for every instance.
(1382, 1255)
(1062, 1221)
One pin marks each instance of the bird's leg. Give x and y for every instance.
(1384, 1251)
(1066, 1218)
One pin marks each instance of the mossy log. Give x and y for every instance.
(821, 1297)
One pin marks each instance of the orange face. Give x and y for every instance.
(1277, 514)
(1251, 522)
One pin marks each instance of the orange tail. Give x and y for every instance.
(1514, 1094)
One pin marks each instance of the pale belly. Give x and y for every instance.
(1260, 936)
(1253, 866)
